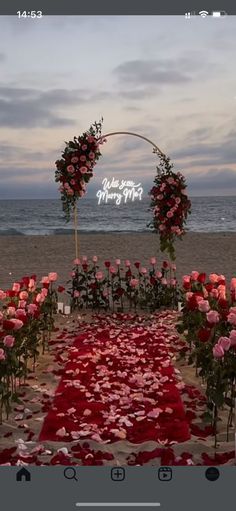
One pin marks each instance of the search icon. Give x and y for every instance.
(70, 473)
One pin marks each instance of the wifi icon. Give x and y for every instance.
(203, 14)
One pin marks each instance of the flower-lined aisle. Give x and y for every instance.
(119, 384)
(20, 443)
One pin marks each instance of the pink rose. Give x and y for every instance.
(84, 147)
(158, 274)
(99, 275)
(160, 196)
(23, 295)
(17, 324)
(11, 311)
(169, 214)
(91, 155)
(153, 261)
(2, 295)
(173, 282)
(144, 271)
(16, 287)
(213, 317)
(178, 200)
(40, 298)
(45, 280)
(77, 262)
(82, 158)
(71, 169)
(232, 337)
(9, 341)
(20, 313)
(83, 170)
(2, 354)
(127, 263)
(186, 279)
(134, 283)
(203, 306)
(76, 294)
(52, 277)
(32, 308)
(214, 293)
(117, 262)
(112, 270)
(173, 266)
(189, 295)
(164, 281)
(95, 259)
(44, 292)
(75, 159)
(31, 285)
(84, 259)
(213, 278)
(194, 275)
(218, 351)
(22, 304)
(232, 318)
(225, 343)
(233, 284)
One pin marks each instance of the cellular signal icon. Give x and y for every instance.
(203, 14)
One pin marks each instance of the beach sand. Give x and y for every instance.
(26, 255)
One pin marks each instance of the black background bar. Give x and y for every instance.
(116, 7)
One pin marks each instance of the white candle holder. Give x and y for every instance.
(67, 310)
(60, 307)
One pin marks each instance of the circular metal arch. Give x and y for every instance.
(156, 148)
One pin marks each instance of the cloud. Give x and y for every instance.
(213, 182)
(30, 108)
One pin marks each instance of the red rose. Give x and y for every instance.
(128, 273)
(152, 281)
(11, 293)
(34, 277)
(204, 334)
(60, 289)
(223, 304)
(107, 264)
(165, 264)
(137, 264)
(209, 287)
(120, 291)
(201, 278)
(7, 324)
(46, 285)
(85, 267)
(26, 281)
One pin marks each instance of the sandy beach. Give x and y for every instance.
(24, 255)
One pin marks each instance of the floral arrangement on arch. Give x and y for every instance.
(75, 168)
(170, 205)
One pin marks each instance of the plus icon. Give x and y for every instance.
(118, 474)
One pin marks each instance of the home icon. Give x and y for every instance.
(23, 475)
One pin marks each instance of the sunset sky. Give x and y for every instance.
(167, 78)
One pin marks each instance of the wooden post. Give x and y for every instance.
(76, 232)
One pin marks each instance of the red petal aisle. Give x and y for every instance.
(119, 384)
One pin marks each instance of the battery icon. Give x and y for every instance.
(218, 14)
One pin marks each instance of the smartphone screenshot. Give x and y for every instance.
(117, 256)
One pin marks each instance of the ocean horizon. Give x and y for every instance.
(45, 216)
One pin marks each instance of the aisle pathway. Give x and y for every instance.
(120, 384)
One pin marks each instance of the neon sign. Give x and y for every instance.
(119, 191)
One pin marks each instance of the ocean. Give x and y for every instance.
(45, 217)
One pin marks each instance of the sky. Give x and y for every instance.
(167, 78)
